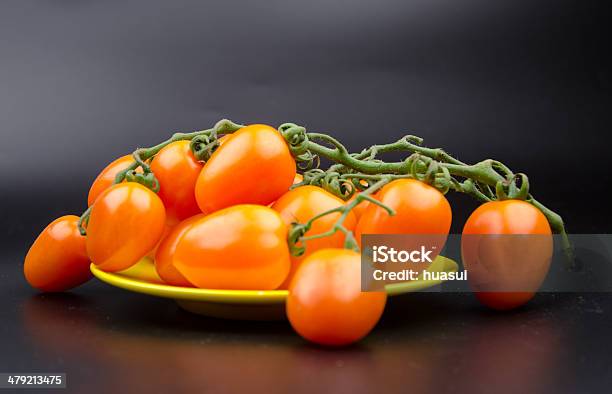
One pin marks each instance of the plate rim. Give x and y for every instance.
(242, 296)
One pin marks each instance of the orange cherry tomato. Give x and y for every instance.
(419, 209)
(58, 261)
(254, 166)
(326, 304)
(303, 203)
(177, 171)
(240, 247)
(499, 262)
(106, 178)
(165, 253)
(126, 222)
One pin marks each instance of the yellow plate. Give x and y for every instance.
(234, 304)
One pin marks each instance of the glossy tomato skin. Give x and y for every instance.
(420, 209)
(254, 166)
(224, 138)
(507, 217)
(177, 171)
(170, 224)
(243, 247)
(503, 264)
(303, 203)
(165, 253)
(126, 222)
(325, 303)
(106, 178)
(58, 261)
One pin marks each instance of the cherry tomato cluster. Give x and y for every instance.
(224, 224)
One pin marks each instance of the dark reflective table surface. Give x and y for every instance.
(109, 340)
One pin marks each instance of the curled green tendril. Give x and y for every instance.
(487, 180)
(429, 171)
(203, 146)
(296, 138)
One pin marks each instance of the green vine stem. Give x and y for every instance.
(486, 180)
(298, 230)
(141, 155)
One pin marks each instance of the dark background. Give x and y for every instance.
(83, 82)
